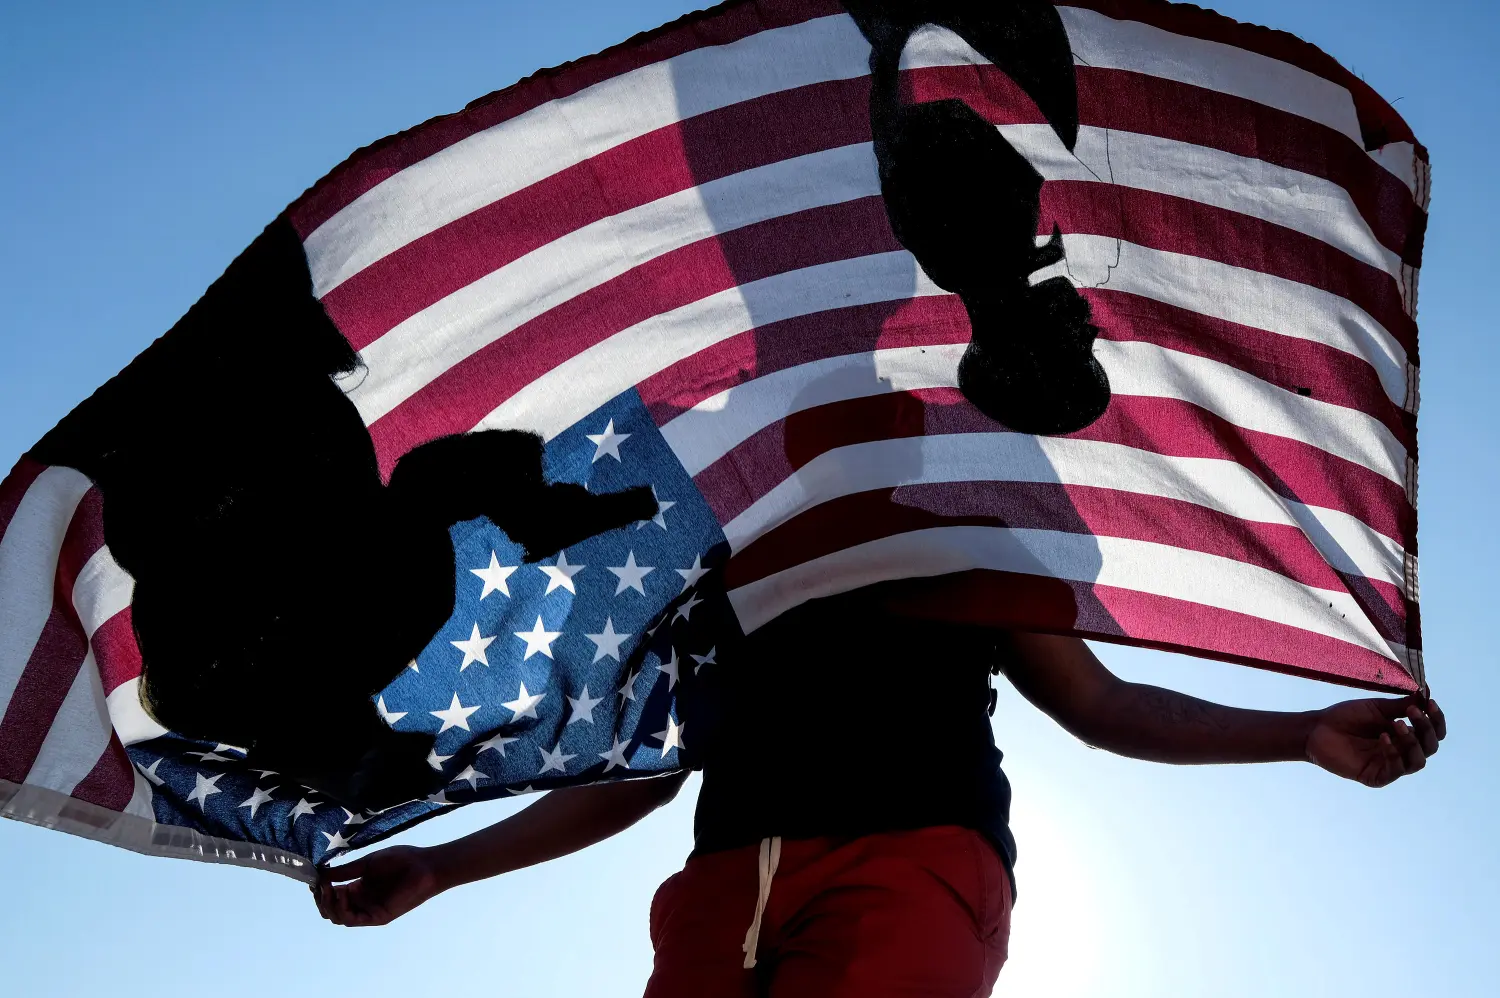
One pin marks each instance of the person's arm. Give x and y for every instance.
(387, 884)
(1363, 740)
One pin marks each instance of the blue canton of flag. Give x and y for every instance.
(550, 674)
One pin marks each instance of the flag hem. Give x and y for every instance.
(51, 809)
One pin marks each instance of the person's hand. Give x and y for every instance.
(1376, 742)
(377, 889)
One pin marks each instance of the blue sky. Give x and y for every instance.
(146, 144)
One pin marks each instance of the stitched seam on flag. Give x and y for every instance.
(50, 809)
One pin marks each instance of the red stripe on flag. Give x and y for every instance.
(1290, 468)
(116, 652)
(1378, 119)
(1120, 616)
(44, 684)
(848, 521)
(59, 652)
(1295, 365)
(1135, 102)
(814, 119)
(1209, 632)
(1126, 101)
(471, 389)
(1289, 363)
(369, 166)
(111, 783)
(1191, 228)
(694, 152)
(931, 320)
(13, 489)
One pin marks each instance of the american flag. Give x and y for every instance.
(673, 261)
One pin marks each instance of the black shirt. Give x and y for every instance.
(839, 719)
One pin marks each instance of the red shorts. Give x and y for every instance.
(925, 912)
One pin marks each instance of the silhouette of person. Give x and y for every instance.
(279, 584)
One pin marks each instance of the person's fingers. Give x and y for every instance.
(1411, 749)
(349, 871)
(1439, 719)
(360, 908)
(1425, 730)
(1392, 709)
(317, 895)
(1386, 767)
(345, 905)
(324, 893)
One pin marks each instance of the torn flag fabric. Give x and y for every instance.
(1094, 318)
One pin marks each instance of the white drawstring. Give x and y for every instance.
(770, 858)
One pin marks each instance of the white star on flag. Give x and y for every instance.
(660, 519)
(556, 759)
(436, 761)
(494, 577)
(336, 841)
(583, 707)
(204, 789)
(498, 742)
(456, 716)
(703, 660)
(607, 442)
(471, 776)
(473, 648)
(149, 772)
(671, 738)
(631, 575)
(538, 639)
(670, 668)
(257, 799)
(303, 807)
(561, 574)
(523, 706)
(210, 757)
(627, 691)
(350, 818)
(615, 756)
(390, 716)
(440, 799)
(685, 611)
(608, 641)
(690, 576)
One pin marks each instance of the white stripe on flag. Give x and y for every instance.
(1103, 42)
(722, 422)
(1235, 294)
(1344, 542)
(1143, 566)
(420, 349)
(703, 434)
(79, 734)
(515, 154)
(130, 719)
(29, 552)
(81, 731)
(1246, 401)
(1294, 200)
(1106, 43)
(103, 589)
(579, 385)
(140, 800)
